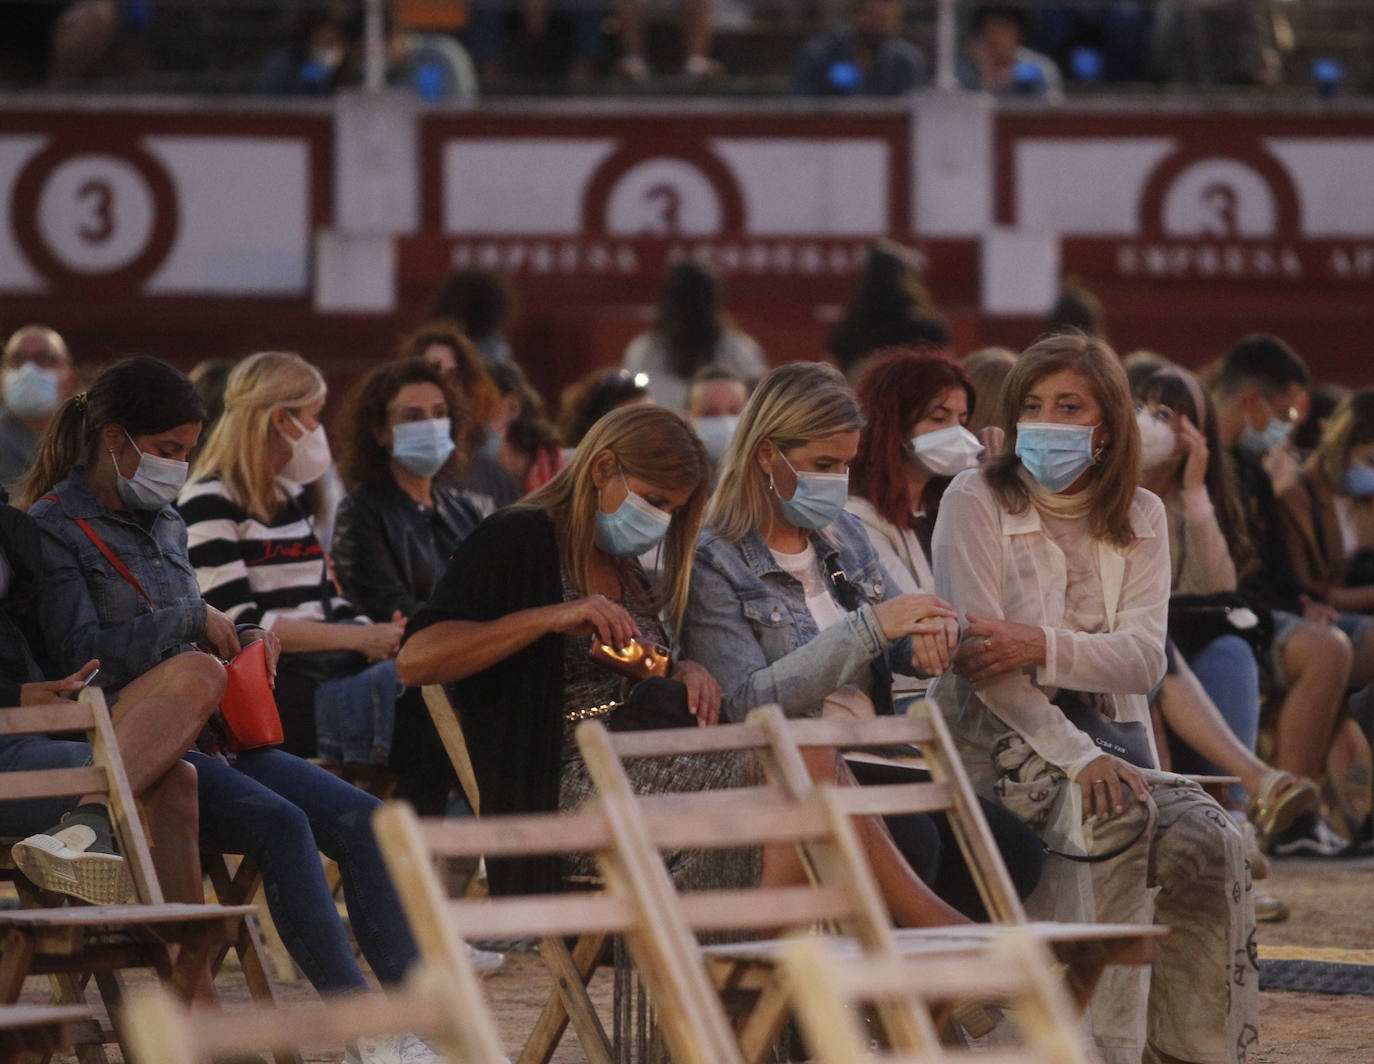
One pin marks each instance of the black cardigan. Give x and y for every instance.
(20, 543)
(512, 712)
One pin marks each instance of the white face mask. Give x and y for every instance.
(155, 483)
(1157, 442)
(715, 433)
(310, 456)
(946, 452)
(31, 391)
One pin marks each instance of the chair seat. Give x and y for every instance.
(107, 917)
(39, 1028)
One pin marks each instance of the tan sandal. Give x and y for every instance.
(1282, 798)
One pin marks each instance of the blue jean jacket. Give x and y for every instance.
(748, 623)
(88, 610)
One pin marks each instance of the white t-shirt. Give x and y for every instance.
(825, 611)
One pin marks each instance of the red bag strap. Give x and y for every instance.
(110, 556)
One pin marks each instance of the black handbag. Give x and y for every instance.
(1196, 620)
(655, 703)
(1126, 739)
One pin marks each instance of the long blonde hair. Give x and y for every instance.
(1116, 473)
(651, 444)
(239, 450)
(793, 405)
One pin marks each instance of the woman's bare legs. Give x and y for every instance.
(911, 902)
(173, 817)
(1317, 659)
(1195, 719)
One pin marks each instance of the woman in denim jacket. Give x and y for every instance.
(790, 605)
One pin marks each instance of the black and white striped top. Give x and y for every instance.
(258, 573)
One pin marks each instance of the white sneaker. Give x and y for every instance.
(484, 960)
(396, 1049)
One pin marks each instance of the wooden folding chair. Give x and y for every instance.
(73, 943)
(36, 1031)
(830, 987)
(1085, 948)
(446, 1009)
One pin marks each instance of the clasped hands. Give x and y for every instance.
(985, 650)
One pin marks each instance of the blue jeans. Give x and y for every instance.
(1227, 670)
(283, 812)
(23, 752)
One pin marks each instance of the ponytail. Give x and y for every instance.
(62, 446)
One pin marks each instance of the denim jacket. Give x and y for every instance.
(748, 623)
(88, 610)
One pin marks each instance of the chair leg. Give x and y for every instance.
(571, 973)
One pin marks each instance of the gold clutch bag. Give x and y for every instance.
(637, 660)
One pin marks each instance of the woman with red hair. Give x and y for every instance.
(913, 442)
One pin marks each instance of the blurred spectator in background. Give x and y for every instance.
(691, 330)
(1219, 42)
(715, 402)
(1141, 365)
(889, 308)
(35, 376)
(442, 345)
(1322, 401)
(588, 399)
(488, 22)
(480, 302)
(1077, 308)
(988, 368)
(55, 42)
(698, 21)
(520, 437)
(868, 57)
(325, 52)
(209, 379)
(995, 59)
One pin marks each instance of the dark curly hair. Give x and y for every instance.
(471, 379)
(363, 459)
(895, 392)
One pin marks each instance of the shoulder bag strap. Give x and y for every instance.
(110, 556)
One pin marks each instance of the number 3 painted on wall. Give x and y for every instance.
(97, 198)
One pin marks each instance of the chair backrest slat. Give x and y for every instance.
(514, 836)
(538, 915)
(54, 718)
(52, 783)
(749, 910)
(892, 799)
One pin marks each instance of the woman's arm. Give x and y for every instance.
(716, 633)
(967, 554)
(1207, 563)
(73, 631)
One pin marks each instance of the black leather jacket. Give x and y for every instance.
(20, 544)
(389, 551)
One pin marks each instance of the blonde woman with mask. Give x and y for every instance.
(790, 605)
(254, 546)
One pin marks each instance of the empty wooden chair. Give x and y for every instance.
(831, 987)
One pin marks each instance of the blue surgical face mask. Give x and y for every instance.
(155, 482)
(422, 446)
(31, 391)
(1258, 444)
(1055, 455)
(1358, 481)
(635, 527)
(817, 500)
(716, 433)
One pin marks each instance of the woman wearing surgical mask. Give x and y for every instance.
(254, 546)
(715, 401)
(790, 604)
(1059, 564)
(402, 459)
(119, 586)
(913, 442)
(512, 620)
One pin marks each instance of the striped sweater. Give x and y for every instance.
(258, 572)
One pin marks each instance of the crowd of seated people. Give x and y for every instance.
(1102, 579)
(865, 48)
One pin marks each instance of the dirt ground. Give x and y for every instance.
(1330, 903)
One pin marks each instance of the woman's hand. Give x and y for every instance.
(46, 692)
(1104, 782)
(703, 693)
(930, 651)
(912, 614)
(991, 648)
(220, 632)
(610, 621)
(993, 440)
(1194, 445)
(271, 648)
(381, 640)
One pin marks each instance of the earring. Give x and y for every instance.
(1097, 453)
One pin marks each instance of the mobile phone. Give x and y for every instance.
(94, 673)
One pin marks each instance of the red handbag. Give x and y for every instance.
(249, 708)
